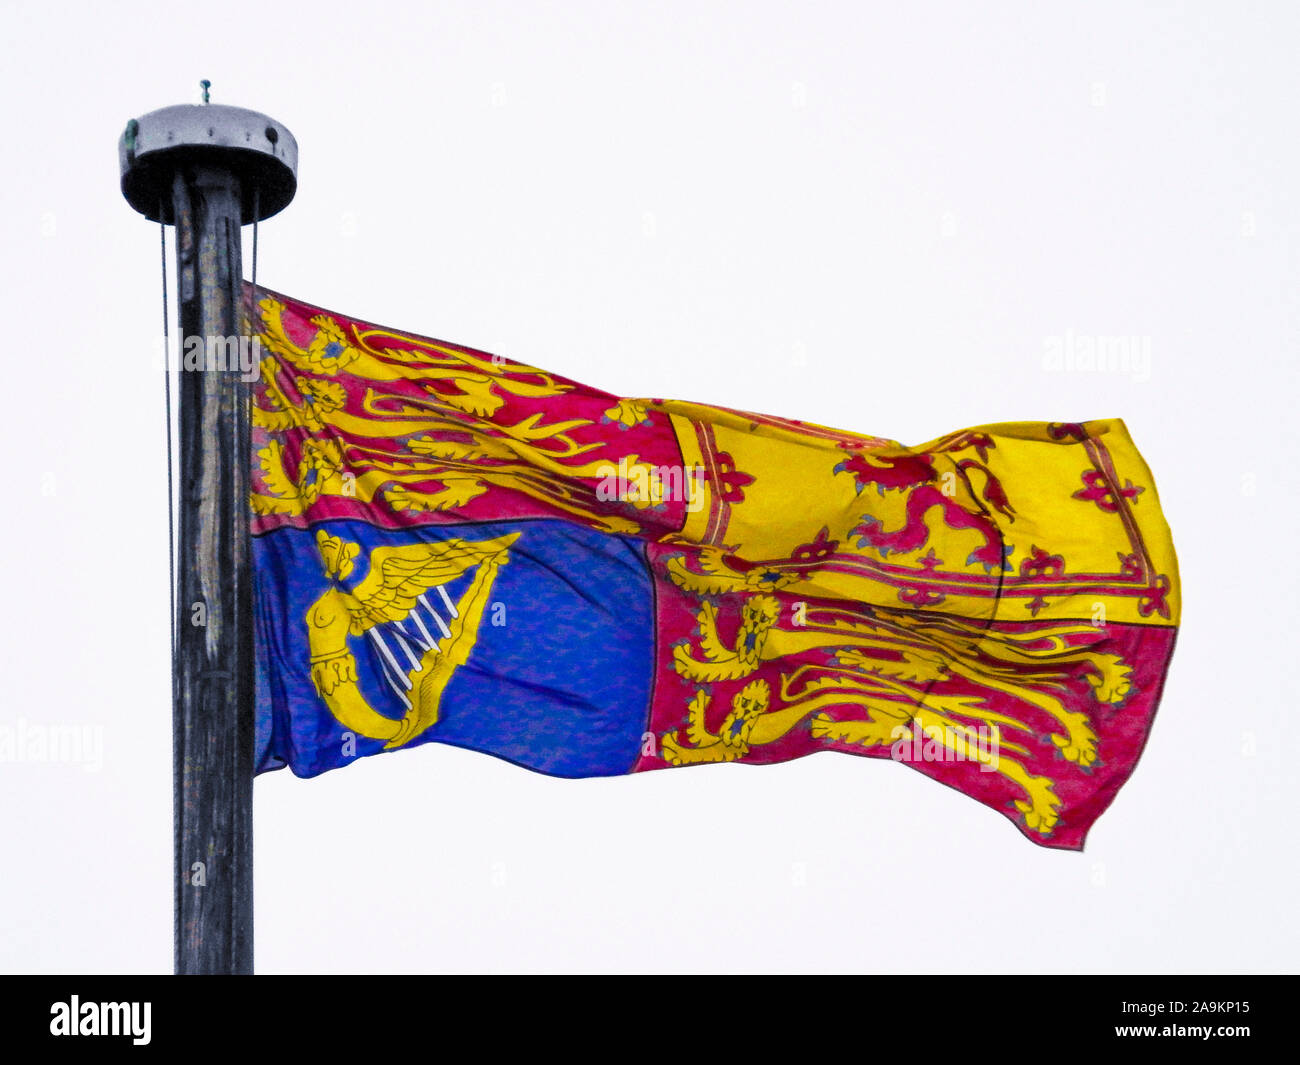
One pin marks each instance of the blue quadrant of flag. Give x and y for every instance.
(563, 656)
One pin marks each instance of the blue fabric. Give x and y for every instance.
(559, 679)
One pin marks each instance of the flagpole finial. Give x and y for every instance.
(257, 149)
(205, 85)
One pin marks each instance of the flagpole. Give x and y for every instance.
(207, 169)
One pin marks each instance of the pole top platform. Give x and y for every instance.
(260, 151)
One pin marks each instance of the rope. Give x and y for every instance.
(171, 580)
(167, 392)
(256, 211)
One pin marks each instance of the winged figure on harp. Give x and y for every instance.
(418, 648)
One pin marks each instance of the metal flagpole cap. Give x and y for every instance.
(260, 151)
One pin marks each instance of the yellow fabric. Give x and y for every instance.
(1107, 531)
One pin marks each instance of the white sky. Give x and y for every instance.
(840, 212)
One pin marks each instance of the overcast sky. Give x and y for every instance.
(869, 218)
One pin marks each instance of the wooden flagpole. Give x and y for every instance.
(208, 169)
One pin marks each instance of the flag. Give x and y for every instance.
(453, 547)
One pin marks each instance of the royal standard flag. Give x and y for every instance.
(452, 547)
